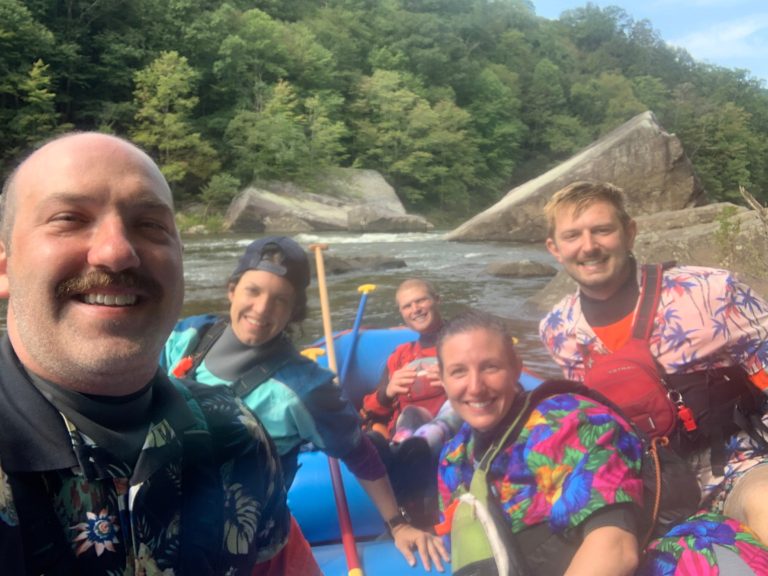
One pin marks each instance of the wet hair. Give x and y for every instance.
(475, 320)
(583, 194)
(418, 283)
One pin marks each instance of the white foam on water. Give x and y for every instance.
(367, 238)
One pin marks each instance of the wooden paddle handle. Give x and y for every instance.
(324, 306)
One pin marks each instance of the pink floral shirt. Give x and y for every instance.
(706, 319)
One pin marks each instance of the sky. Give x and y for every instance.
(729, 33)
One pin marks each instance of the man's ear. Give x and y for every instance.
(4, 290)
(552, 247)
(631, 231)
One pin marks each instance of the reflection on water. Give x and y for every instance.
(456, 268)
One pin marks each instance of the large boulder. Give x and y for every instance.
(272, 207)
(375, 218)
(334, 265)
(718, 235)
(263, 211)
(639, 156)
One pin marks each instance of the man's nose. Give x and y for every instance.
(112, 247)
(588, 242)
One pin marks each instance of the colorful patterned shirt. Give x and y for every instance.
(705, 319)
(205, 496)
(572, 458)
(706, 545)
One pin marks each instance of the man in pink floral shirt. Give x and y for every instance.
(706, 322)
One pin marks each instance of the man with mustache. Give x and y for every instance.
(705, 344)
(106, 465)
(250, 351)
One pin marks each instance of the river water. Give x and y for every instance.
(456, 268)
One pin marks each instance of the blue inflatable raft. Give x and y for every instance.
(311, 497)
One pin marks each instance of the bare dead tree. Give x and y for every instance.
(762, 211)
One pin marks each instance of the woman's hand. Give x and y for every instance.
(430, 547)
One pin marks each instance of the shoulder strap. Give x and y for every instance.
(196, 351)
(511, 433)
(650, 294)
(262, 372)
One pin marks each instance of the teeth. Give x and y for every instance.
(110, 299)
(479, 404)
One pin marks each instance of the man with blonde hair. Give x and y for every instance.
(410, 382)
(700, 330)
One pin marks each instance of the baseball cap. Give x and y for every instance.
(277, 254)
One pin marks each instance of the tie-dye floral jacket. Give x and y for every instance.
(204, 498)
(572, 458)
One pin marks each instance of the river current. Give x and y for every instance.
(456, 268)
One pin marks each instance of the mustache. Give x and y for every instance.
(103, 279)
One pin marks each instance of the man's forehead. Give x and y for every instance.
(64, 167)
(143, 199)
(411, 293)
(574, 210)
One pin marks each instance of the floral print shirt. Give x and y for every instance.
(696, 546)
(205, 496)
(705, 319)
(572, 457)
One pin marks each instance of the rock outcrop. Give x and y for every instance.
(334, 265)
(373, 218)
(717, 235)
(343, 197)
(520, 269)
(639, 156)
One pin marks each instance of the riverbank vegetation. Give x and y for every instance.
(453, 101)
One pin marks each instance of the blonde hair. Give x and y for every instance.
(583, 194)
(418, 283)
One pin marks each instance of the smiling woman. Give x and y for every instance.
(558, 512)
(480, 372)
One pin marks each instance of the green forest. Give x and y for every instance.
(453, 101)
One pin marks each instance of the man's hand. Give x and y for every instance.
(400, 382)
(433, 374)
(430, 547)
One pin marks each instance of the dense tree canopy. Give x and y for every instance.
(454, 101)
